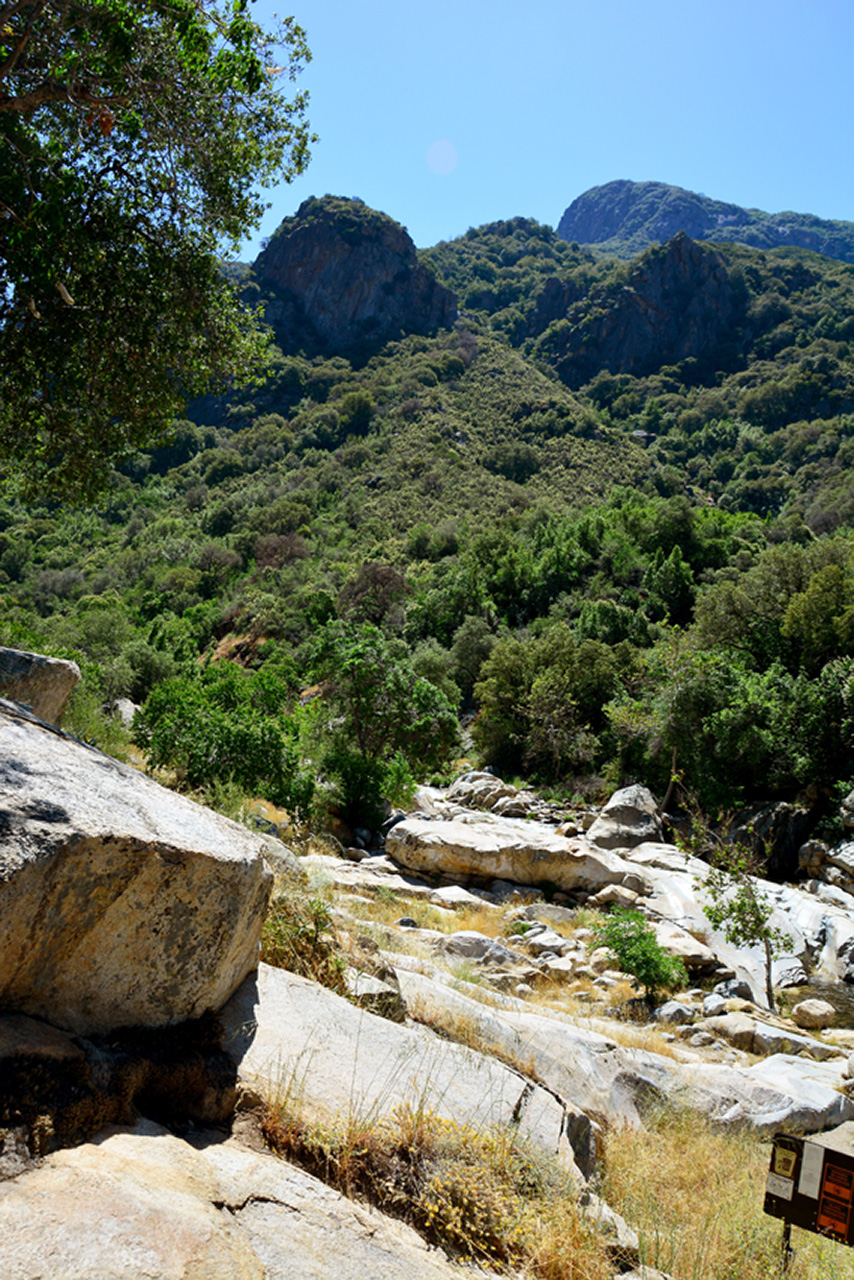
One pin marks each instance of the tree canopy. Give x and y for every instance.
(135, 136)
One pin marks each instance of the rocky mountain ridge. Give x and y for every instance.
(624, 217)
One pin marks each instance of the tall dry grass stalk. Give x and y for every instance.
(695, 1196)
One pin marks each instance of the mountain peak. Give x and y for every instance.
(625, 217)
(345, 277)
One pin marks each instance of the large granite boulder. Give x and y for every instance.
(121, 903)
(42, 684)
(522, 852)
(629, 818)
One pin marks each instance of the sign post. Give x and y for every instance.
(810, 1185)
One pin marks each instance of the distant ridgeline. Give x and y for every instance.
(732, 365)
(623, 218)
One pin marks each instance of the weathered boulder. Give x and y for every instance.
(822, 933)
(813, 1014)
(42, 684)
(466, 942)
(480, 790)
(681, 944)
(121, 903)
(142, 1202)
(674, 1012)
(736, 1028)
(123, 709)
(525, 852)
(629, 818)
(755, 1036)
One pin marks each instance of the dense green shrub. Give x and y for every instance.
(226, 726)
(636, 950)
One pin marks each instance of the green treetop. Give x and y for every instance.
(134, 138)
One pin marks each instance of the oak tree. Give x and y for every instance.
(135, 139)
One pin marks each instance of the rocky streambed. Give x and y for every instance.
(141, 1044)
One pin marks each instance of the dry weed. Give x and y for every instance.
(485, 1195)
(695, 1197)
(298, 935)
(649, 1038)
(466, 1029)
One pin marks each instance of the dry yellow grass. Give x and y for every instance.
(649, 1038)
(485, 1195)
(695, 1198)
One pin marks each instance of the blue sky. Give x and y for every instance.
(452, 113)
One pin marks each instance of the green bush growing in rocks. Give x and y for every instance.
(637, 951)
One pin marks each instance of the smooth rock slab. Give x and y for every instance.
(143, 1203)
(121, 903)
(616, 1084)
(295, 1040)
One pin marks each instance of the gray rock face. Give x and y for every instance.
(638, 328)
(42, 684)
(121, 903)
(628, 819)
(833, 867)
(346, 276)
(630, 215)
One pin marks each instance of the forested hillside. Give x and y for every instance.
(604, 506)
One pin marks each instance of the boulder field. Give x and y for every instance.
(140, 1038)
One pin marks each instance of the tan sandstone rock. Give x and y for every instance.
(121, 903)
(813, 1014)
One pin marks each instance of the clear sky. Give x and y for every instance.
(451, 113)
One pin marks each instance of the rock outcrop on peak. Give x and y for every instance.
(341, 278)
(121, 903)
(625, 217)
(677, 302)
